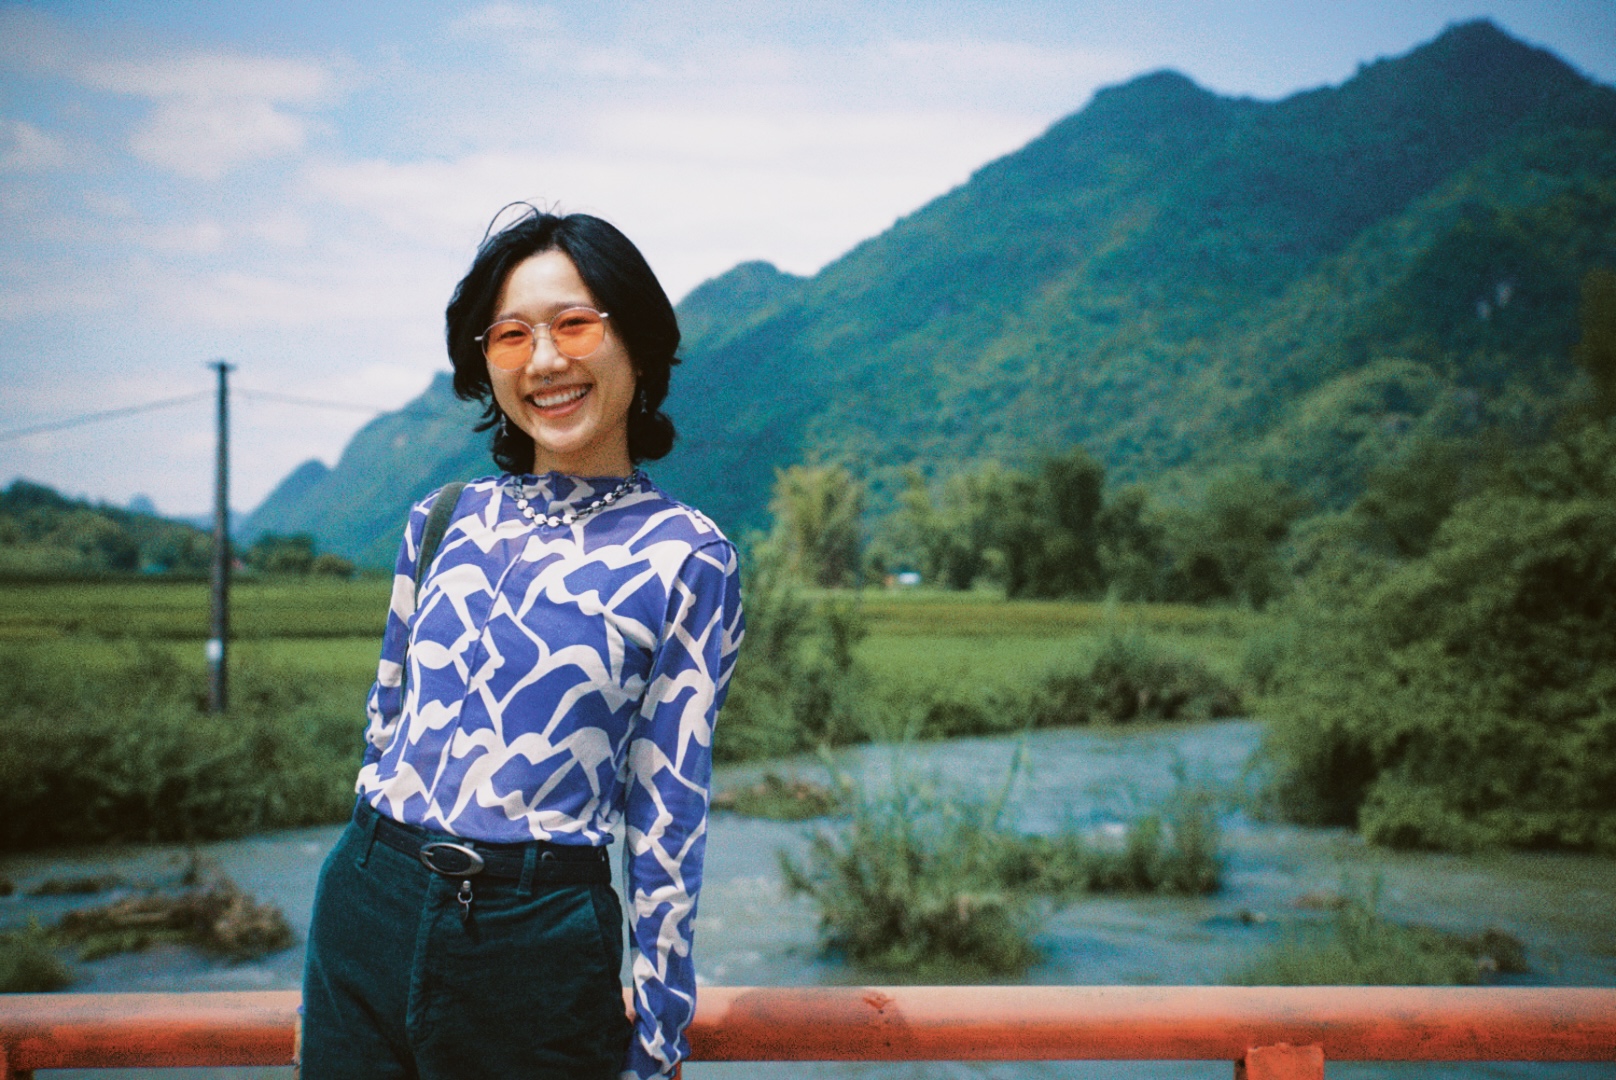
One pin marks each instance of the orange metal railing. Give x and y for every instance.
(1270, 1033)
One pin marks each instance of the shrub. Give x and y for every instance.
(797, 684)
(932, 883)
(949, 708)
(1360, 947)
(1133, 678)
(914, 883)
(779, 799)
(331, 565)
(125, 752)
(1175, 851)
(216, 917)
(1463, 699)
(29, 964)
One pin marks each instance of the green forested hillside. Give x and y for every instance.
(1178, 282)
(44, 534)
(357, 508)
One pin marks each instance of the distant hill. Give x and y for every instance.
(1175, 280)
(44, 533)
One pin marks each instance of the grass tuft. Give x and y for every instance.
(87, 885)
(29, 963)
(779, 799)
(1359, 946)
(1132, 678)
(932, 883)
(216, 917)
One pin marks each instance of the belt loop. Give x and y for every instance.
(372, 820)
(530, 859)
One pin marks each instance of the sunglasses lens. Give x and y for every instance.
(508, 345)
(577, 332)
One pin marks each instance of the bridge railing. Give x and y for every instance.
(1268, 1033)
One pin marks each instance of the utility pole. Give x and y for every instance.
(217, 641)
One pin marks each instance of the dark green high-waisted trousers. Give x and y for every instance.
(399, 985)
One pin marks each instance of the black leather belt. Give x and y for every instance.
(554, 864)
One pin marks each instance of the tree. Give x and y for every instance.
(799, 684)
(1132, 546)
(1048, 527)
(1071, 487)
(179, 548)
(1467, 697)
(276, 554)
(97, 541)
(816, 523)
(1228, 547)
(955, 538)
(330, 565)
(1596, 352)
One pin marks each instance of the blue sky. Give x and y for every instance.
(297, 187)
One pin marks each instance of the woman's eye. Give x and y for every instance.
(510, 335)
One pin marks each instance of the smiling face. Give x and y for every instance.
(579, 418)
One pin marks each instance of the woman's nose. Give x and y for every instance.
(545, 359)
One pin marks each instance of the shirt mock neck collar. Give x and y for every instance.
(560, 492)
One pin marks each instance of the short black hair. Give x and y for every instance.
(621, 282)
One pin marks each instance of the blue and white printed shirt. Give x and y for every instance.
(563, 678)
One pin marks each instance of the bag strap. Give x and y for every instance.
(437, 523)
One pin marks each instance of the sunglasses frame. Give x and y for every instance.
(482, 338)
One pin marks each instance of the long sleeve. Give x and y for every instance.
(386, 699)
(669, 780)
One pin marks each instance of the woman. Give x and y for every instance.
(559, 670)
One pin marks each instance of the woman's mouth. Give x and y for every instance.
(554, 399)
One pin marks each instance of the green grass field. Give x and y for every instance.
(155, 609)
(929, 638)
(102, 689)
(327, 632)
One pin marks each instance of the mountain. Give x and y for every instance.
(357, 508)
(1175, 280)
(300, 484)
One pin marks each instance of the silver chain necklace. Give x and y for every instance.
(570, 516)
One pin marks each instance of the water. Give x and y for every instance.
(1562, 906)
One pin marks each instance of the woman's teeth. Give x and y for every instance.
(559, 397)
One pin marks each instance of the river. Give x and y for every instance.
(1563, 907)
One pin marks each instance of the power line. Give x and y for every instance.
(108, 414)
(407, 410)
(288, 399)
(131, 410)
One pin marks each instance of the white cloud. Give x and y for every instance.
(25, 148)
(212, 76)
(109, 205)
(203, 140)
(286, 231)
(492, 21)
(239, 298)
(214, 111)
(698, 190)
(204, 236)
(1018, 61)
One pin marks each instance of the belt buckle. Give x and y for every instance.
(472, 862)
